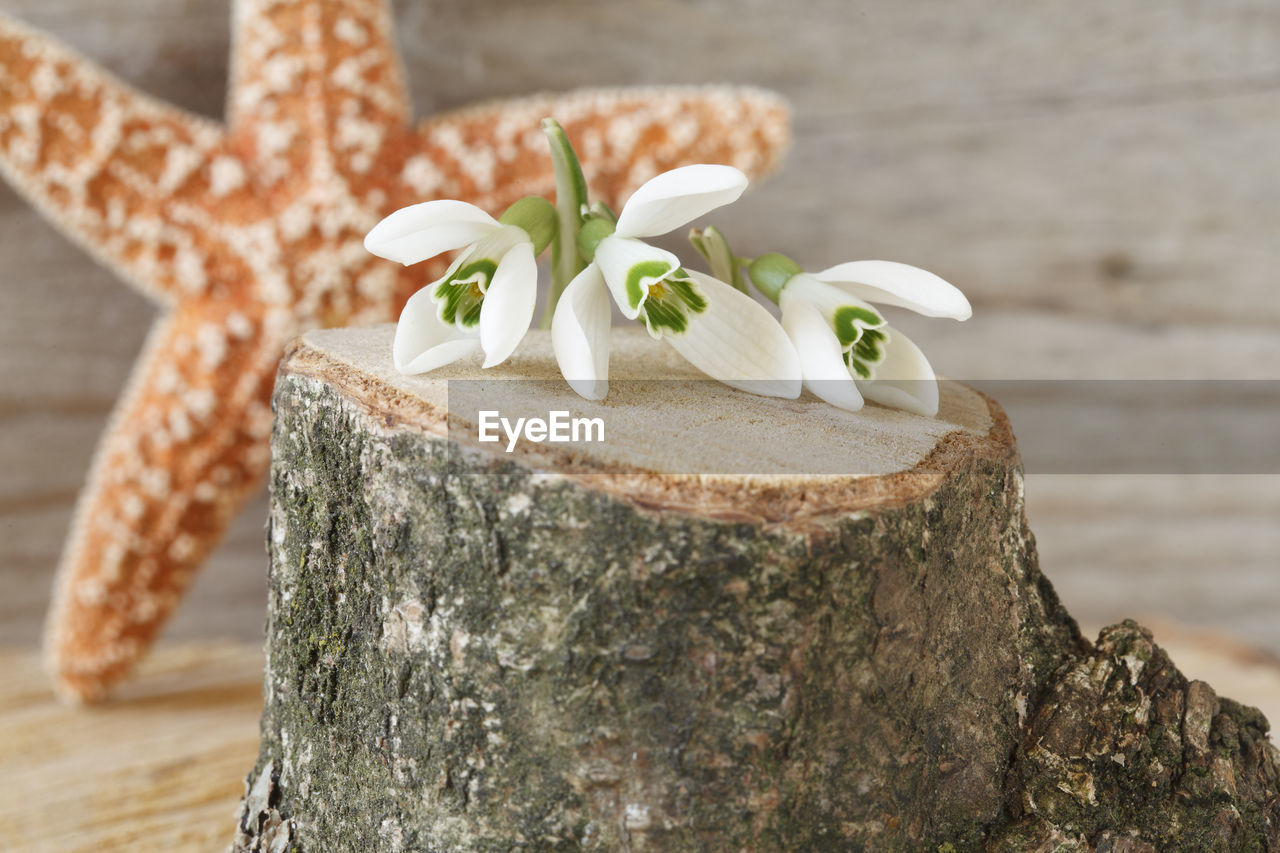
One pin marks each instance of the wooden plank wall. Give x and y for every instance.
(1102, 178)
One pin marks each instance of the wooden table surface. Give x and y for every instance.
(161, 767)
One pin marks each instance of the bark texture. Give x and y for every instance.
(464, 654)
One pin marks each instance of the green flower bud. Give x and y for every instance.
(593, 231)
(537, 217)
(770, 273)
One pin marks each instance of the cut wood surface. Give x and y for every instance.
(1100, 179)
(670, 433)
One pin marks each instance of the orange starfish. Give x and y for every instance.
(250, 233)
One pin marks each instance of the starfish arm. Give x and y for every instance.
(316, 88)
(186, 445)
(126, 176)
(494, 153)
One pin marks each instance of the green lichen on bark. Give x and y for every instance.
(464, 655)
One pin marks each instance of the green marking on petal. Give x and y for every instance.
(870, 348)
(461, 295)
(664, 317)
(669, 305)
(687, 293)
(636, 290)
(866, 352)
(857, 368)
(470, 315)
(850, 321)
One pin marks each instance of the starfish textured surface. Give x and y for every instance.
(250, 233)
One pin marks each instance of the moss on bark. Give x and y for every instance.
(464, 655)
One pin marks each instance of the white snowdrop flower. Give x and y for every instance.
(720, 330)
(846, 348)
(486, 297)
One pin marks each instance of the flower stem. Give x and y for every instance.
(571, 197)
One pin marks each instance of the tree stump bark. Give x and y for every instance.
(605, 647)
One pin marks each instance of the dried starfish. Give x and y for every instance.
(249, 233)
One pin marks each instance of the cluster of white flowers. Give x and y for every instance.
(831, 339)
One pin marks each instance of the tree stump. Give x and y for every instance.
(738, 623)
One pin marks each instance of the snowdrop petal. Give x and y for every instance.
(678, 197)
(846, 314)
(423, 342)
(580, 333)
(736, 341)
(904, 380)
(629, 267)
(499, 241)
(905, 286)
(821, 358)
(422, 231)
(508, 304)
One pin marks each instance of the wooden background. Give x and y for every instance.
(1102, 178)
